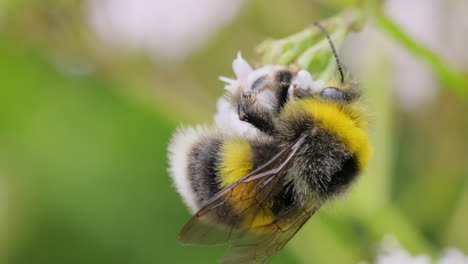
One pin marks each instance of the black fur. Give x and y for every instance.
(202, 169)
(257, 115)
(249, 111)
(263, 151)
(345, 176)
(283, 79)
(324, 164)
(322, 168)
(283, 200)
(259, 118)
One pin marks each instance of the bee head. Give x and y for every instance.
(345, 90)
(340, 92)
(282, 85)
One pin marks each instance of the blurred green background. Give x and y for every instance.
(85, 122)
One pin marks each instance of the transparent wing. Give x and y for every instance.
(261, 248)
(254, 235)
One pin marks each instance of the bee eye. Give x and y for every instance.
(333, 93)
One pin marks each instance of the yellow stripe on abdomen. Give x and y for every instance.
(237, 162)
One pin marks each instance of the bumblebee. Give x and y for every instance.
(283, 145)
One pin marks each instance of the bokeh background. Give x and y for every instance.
(90, 92)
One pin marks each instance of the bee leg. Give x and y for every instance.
(253, 113)
(283, 79)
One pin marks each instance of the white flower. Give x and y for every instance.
(227, 120)
(242, 69)
(305, 81)
(226, 117)
(164, 28)
(393, 253)
(453, 256)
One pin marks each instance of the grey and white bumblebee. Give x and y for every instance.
(282, 145)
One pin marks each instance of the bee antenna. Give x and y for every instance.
(335, 54)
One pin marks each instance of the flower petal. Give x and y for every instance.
(241, 68)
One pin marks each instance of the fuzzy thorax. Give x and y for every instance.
(346, 121)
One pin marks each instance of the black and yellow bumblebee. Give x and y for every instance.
(257, 191)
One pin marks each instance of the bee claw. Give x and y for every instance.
(243, 117)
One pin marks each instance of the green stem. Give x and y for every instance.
(454, 80)
(308, 48)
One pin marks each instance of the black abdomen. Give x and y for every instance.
(325, 165)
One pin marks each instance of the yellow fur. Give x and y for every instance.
(348, 122)
(236, 162)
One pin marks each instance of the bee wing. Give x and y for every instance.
(261, 248)
(252, 241)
